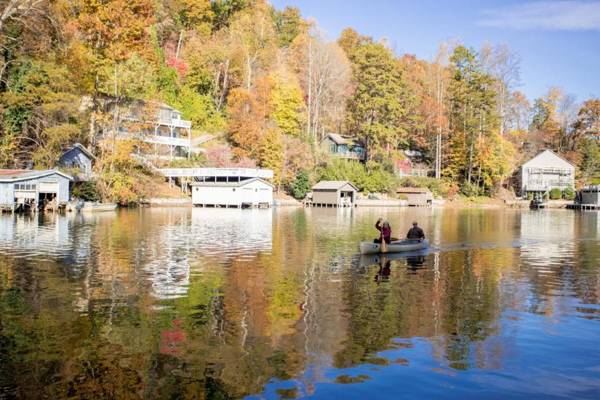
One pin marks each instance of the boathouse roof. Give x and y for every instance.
(548, 158)
(14, 175)
(231, 184)
(333, 185)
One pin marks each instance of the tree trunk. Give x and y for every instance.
(179, 43)
(225, 83)
(309, 91)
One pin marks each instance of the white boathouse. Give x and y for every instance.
(247, 193)
(545, 172)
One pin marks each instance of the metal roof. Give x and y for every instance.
(340, 139)
(230, 184)
(332, 185)
(548, 151)
(80, 147)
(217, 172)
(14, 175)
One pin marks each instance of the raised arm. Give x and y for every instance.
(378, 225)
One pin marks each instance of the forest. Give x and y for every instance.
(269, 85)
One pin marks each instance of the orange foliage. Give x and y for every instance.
(248, 117)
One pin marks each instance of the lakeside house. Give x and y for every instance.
(247, 193)
(30, 189)
(161, 126)
(545, 172)
(415, 197)
(79, 161)
(412, 165)
(334, 194)
(344, 147)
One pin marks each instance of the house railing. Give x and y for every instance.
(170, 122)
(174, 122)
(550, 171)
(537, 186)
(348, 154)
(217, 172)
(414, 172)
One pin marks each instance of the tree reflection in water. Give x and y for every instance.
(187, 304)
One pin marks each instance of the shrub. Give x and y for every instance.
(300, 186)
(194, 161)
(439, 187)
(375, 179)
(568, 194)
(471, 189)
(86, 191)
(555, 194)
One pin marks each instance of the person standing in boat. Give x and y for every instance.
(385, 231)
(415, 232)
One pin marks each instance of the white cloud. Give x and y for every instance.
(571, 15)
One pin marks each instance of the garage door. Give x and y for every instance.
(48, 187)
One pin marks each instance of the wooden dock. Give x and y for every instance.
(584, 207)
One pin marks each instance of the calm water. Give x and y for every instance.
(220, 304)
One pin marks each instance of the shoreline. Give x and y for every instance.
(480, 203)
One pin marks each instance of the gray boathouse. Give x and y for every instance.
(334, 194)
(30, 189)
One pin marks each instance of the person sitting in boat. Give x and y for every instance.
(415, 232)
(385, 230)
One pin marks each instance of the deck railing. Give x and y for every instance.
(217, 172)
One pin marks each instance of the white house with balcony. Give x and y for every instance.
(161, 126)
(545, 172)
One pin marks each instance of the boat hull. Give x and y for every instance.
(100, 207)
(394, 247)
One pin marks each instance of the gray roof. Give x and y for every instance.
(230, 184)
(15, 175)
(332, 185)
(80, 147)
(340, 139)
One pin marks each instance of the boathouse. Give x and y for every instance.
(254, 192)
(590, 196)
(334, 194)
(545, 172)
(27, 189)
(415, 196)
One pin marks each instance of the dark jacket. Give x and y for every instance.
(415, 233)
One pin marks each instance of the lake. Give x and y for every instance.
(227, 303)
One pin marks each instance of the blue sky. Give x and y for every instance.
(558, 40)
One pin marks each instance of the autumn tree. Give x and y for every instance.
(473, 122)
(287, 106)
(350, 41)
(288, 25)
(249, 113)
(504, 65)
(378, 107)
(271, 154)
(253, 37)
(586, 133)
(552, 117)
(324, 74)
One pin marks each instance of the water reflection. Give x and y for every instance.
(217, 303)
